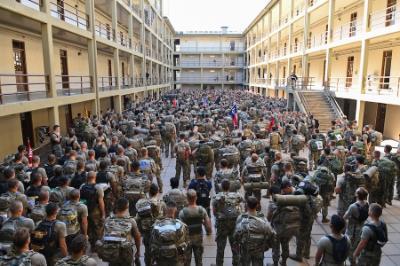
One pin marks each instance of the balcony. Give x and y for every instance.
(385, 18)
(317, 40)
(104, 31)
(347, 30)
(34, 4)
(23, 87)
(73, 85)
(128, 82)
(297, 47)
(70, 14)
(383, 85)
(136, 9)
(123, 40)
(341, 84)
(106, 83)
(210, 49)
(210, 79)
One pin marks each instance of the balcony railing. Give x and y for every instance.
(34, 4)
(347, 30)
(210, 49)
(302, 83)
(343, 84)
(70, 14)
(317, 40)
(123, 40)
(298, 9)
(385, 18)
(297, 47)
(216, 79)
(383, 85)
(73, 85)
(23, 87)
(136, 9)
(107, 83)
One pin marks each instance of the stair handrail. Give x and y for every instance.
(301, 101)
(334, 104)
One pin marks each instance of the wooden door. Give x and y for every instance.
(386, 69)
(110, 73)
(380, 117)
(353, 24)
(64, 69)
(349, 71)
(123, 73)
(21, 79)
(390, 12)
(27, 128)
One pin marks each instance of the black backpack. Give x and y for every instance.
(362, 212)
(89, 196)
(78, 180)
(44, 238)
(340, 249)
(101, 177)
(381, 234)
(49, 170)
(33, 191)
(3, 187)
(203, 193)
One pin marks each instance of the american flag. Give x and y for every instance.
(30, 153)
(234, 115)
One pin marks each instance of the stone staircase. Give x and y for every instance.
(317, 104)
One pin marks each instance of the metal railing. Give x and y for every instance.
(34, 4)
(73, 85)
(340, 83)
(302, 83)
(334, 104)
(297, 48)
(107, 83)
(210, 49)
(385, 18)
(298, 9)
(123, 40)
(217, 79)
(347, 30)
(104, 30)
(70, 14)
(136, 9)
(23, 87)
(383, 85)
(317, 40)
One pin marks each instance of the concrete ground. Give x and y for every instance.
(391, 215)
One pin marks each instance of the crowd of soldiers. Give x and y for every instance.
(101, 187)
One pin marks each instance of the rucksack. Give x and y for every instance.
(3, 187)
(177, 196)
(362, 212)
(33, 192)
(145, 165)
(386, 167)
(316, 145)
(376, 138)
(202, 154)
(340, 249)
(68, 214)
(116, 242)
(252, 234)
(56, 196)
(78, 180)
(194, 220)
(23, 259)
(20, 172)
(298, 141)
(227, 206)
(5, 202)
(183, 151)
(89, 196)
(169, 239)
(102, 177)
(203, 192)
(8, 229)
(145, 210)
(323, 177)
(69, 261)
(286, 220)
(38, 213)
(44, 238)
(135, 188)
(335, 165)
(274, 139)
(381, 235)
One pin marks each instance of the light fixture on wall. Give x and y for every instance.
(79, 53)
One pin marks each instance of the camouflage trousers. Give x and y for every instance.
(326, 192)
(159, 179)
(195, 246)
(354, 234)
(389, 191)
(147, 248)
(184, 167)
(224, 232)
(313, 158)
(303, 240)
(281, 241)
(369, 258)
(95, 227)
(251, 259)
(169, 144)
(169, 262)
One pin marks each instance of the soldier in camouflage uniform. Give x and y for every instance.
(169, 138)
(389, 192)
(183, 152)
(296, 142)
(314, 146)
(254, 171)
(229, 173)
(387, 171)
(226, 212)
(275, 140)
(204, 156)
(355, 219)
(149, 167)
(195, 217)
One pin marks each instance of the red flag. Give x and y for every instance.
(174, 103)
(271, 124)
(30, 153)
(235, 120)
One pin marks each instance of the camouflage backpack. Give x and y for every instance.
(323, 177)
(286, 220)
(202, 154)
(183, 151)
(135, 187)
(147, 211)
(69, 261)
(56, 196)
(169, 239)
(68, 214)
(5, 202)
(376, 138)
(177, 196)
(316, 145)
(298, 141)
(169, 129)
(387, 167)
(274, 139)
(11, 259)
(335, 165)
(38, 213)
(230, 154)
(116, 242)
(252, 233)
(227, 206)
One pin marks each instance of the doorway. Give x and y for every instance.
(386, 69)
(68, 116)
(390, 12)
(123, 73)
(20, 66)
(109, 73)
(353, 24)
(349, 71)
(60, 9)
(380, 117)
(64, 69)
(27, 128)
